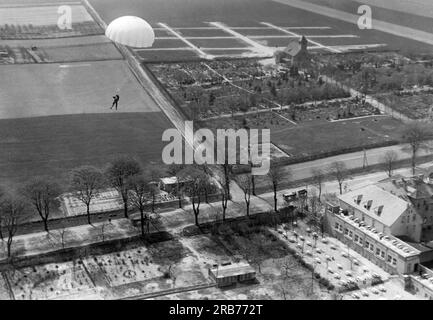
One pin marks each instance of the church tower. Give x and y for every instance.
(304, 43)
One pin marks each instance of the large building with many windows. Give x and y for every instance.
(373, 222)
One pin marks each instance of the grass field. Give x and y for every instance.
(74, 124)
(40, 15)
(76, 88)
(322, 137)
(318, 137)
(54, 145)
(247, 13)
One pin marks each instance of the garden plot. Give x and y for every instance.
(125, 267)
(161, 266)
(271, 258)
(378, 72)
(226, 87)
(329, 110)
(50, 281)
(344, 268)
(415, 105)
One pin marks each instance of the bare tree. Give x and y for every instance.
(224, 201)
(245, 185)
(415, 134)
(225, 194)
(86, 181)
(118, 173)
(43, 193)
(12, 208)
(140, 189)
(275, 176)
(318, 178)
(228, 174)
(197, 181)
(389, 160)
(339, 171)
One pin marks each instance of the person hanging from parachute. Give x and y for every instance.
(116, 99)
(129, 31)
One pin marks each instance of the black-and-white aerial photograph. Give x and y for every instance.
(234, 151)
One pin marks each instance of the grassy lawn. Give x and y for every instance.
(316, 137)
(321, 137)
(54, 145)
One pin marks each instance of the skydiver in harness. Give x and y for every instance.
(115, 101)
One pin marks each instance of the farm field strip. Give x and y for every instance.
(257, 46)
(298, 35)
(40, 15)
(180, 37)
(252, 41)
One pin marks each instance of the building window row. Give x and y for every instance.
(338, 227)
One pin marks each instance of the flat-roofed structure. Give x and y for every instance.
(229, 274)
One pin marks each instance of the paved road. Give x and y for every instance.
(354, 160)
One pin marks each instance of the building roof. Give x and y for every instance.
(392, 206)
(397, 245)
(408, 188)
(293, 48)
(231, 270)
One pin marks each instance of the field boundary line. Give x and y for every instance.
(298, 35)
(387, 27)
(257, 46)
(180, 37)
(164, 49)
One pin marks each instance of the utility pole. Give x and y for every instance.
(365, 161)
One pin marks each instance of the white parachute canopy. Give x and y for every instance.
(131, 31)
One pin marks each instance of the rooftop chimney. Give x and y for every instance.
(368, 205)
(358, 199)
(379, 210)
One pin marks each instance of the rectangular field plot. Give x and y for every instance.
(54, 145)
(229, 52)
(167, 43)
(325, 137)
(124, 267)
(161, 266)
(219, 43)
(264, 31)
(413, 105)
(52, 281)
(102, 51)
(41, 22)
(205, 32)
(40, 15)
(336, 41)
(181, 54)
